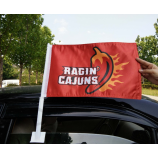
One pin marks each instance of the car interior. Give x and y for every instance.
(103, 126)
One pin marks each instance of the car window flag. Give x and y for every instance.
(91, 70)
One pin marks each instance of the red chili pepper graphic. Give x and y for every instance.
(107, 70)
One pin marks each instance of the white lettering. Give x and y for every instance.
(68, 80)
(67, 70)
(86, 71)
(93, 71)
(60, 79)
(80, 80)
(75, 81)
(74, 71)
(81, 71)
(95, 80)
(87, 80)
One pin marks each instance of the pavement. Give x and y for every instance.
(152, 97)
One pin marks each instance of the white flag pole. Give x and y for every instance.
(38, 136)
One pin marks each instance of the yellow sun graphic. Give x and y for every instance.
(114, 75)
(99, 56)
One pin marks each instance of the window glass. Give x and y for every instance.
(109, 130)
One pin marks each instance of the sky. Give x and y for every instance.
(79, 22)
(94, 28)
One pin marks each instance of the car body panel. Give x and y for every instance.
(142, 112)
(139, 111)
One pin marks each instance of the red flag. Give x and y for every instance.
(93, 70)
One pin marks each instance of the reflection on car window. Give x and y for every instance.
(118, 131)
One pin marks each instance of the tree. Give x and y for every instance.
(8, 71)
(148, 46)
(156, 28)
(33, 48)
(39, 62)
(7, 31)
(28, 26)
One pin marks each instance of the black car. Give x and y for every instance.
(79, 120)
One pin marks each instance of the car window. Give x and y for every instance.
(109, 130)
(71, 138)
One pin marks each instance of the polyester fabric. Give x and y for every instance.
(94, 70)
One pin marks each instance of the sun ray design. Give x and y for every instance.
(99, 56)
(114, 75)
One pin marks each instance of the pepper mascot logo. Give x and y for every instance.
(108, 70)
(103, 71)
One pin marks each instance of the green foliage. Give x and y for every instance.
(27, 84)
(153, 92)
(38, 83)
(32, 76)
(7, 32)
(8, 71)
(26, 38)
(45, 38)
(150, 86)
(12, 85)
(156, 27)
(24, 41)
(148, 47)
